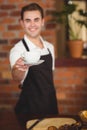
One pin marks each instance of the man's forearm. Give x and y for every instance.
(17, 74)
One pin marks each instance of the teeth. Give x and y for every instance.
(32, 29)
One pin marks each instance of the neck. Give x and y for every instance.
(37, 41)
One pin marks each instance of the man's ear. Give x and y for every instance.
(21, 23)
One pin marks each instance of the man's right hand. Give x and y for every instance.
(20, 65)
(19, 69)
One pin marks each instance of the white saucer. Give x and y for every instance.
(37, 63)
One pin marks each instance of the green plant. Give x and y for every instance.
(66, 16)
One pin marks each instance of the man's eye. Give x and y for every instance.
(37, 19)
(27, 20)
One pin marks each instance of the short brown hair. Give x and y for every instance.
(32, 7)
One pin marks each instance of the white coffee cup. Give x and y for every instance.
(31, 57)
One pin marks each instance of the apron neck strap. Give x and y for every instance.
(25, 44)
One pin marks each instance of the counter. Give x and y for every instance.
(9, 121)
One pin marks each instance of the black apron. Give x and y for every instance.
(38, 96)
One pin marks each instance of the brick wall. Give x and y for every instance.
(70, 83)
(71, 89)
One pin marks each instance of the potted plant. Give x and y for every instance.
(74, 24)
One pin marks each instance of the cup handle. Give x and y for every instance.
(22, 56)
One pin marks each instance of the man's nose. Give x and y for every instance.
(32, 23)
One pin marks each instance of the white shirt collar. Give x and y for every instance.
(31, 45)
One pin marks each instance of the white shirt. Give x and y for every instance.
(19, 48)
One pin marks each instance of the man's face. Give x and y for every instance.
(32, 23)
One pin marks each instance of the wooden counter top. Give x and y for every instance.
(9, 121)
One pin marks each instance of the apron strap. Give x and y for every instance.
(25, 44)
(49, 50)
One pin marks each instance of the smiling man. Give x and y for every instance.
(37, 97)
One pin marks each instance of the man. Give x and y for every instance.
(38, 96)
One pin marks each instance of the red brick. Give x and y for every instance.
(15, 13)
(14, 27)
(7, 6)
(21, 34)
(14, 1)
(7, 48)
(14, 41)
(3, 14)
(50, 26)
(8, 34)
(8, 101)
(1, 1)
(2, 28)
(9, 88)
(8, 20)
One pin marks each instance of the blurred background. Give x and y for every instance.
(70, 76)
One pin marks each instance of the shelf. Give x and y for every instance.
(71, 62)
